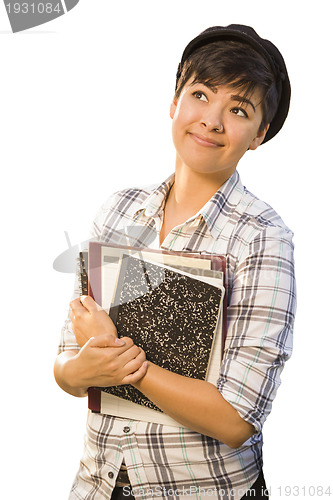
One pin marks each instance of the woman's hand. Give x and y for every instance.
(89, 320)
(103, 361)
(107, 361)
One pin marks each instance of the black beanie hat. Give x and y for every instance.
(266, 48)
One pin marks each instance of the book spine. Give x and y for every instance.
(83, 274)
(94, 399)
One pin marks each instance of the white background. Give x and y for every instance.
(84, 111)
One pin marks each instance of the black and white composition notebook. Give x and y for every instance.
(171, 304)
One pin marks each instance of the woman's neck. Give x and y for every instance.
(191, 190)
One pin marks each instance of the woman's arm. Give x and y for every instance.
(195, 404)
(104, 360)
(260, 319)
(61, 366)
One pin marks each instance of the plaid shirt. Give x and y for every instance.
(175, 463)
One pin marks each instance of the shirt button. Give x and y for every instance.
(110, 474)
(126, 429)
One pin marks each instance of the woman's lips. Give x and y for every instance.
(204, 141)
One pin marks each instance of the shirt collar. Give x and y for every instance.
(215, 212)
(154, 204)
(222, 204)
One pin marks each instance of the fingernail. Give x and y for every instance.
(119, 341)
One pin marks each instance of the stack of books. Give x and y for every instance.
(172, 305)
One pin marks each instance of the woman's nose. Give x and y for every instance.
(213, 123)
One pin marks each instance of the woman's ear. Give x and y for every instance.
(173, 108)
(259, 138)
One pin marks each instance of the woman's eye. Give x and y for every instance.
(200, 95)
(239, 112)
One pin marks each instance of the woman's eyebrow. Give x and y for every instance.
(213, 88)
(239, 98)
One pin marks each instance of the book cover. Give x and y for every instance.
(169, 314)
(103, 271)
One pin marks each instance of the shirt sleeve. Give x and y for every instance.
(261, 314)
(67, 337)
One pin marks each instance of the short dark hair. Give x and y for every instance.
(236, 64)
